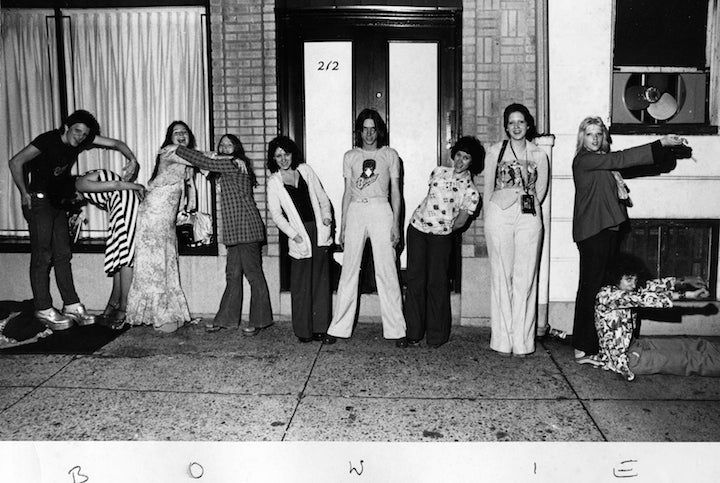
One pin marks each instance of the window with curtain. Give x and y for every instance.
(136, 70)
(29, 98)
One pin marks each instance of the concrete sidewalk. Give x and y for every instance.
(196, 386)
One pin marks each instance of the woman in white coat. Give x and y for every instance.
(301, 210)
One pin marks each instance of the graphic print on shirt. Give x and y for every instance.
(58, 171)
(368, 176)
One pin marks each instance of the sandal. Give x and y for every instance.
(118, 320)
(110, 310)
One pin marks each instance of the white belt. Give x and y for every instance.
(374, 199)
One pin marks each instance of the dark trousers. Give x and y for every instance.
(427, 302)
(49, 247)
(597, 253)
(244, 259)
(310, 289)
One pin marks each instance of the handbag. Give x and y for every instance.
(194, 228)
(75, 223)
(75, 214)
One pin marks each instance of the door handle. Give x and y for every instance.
(450, 128)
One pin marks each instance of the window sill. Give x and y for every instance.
(21, 244)
(687, 129)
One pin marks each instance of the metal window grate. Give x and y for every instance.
(673, 247)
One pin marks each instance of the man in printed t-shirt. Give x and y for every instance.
(50, 158)
(372, 172)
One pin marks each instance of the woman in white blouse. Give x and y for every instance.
(516, 183)
(302, 211)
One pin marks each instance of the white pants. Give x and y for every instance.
(371, 220)
(513, 241)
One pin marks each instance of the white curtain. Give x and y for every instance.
(29, 98)
(137, 70)
(713, 43)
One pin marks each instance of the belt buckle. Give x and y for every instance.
(39, 195)
(364, 200)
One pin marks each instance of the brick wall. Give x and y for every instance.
(244, 85)
(499, 67)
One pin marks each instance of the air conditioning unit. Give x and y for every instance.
(659, 98)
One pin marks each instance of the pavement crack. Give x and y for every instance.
(301, 394)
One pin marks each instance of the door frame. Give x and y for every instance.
(298, 25)
(295, 26)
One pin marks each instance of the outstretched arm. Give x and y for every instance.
(130, 170)
(90, 183)
(216, 163)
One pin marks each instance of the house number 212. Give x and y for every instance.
(331, 65)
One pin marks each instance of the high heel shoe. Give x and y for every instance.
(118, 320)
(110, 310)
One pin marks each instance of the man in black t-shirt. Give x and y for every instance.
(49, 159)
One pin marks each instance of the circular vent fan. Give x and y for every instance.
(654, 98)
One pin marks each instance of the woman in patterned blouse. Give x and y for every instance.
(616, 315)
(451, 199)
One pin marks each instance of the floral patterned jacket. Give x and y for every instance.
(615, 319)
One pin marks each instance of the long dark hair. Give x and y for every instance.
(239, 153)
(287, 145)
(168, 142)
(380, 127)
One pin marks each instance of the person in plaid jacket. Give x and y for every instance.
(243, 233)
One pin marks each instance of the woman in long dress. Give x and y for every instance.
(121, 199)
(156, 297)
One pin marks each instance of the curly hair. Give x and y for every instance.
(472, 146)
(82, 116)
(630, 265)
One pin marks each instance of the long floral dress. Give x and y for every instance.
(155, 296)
(615, 319)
